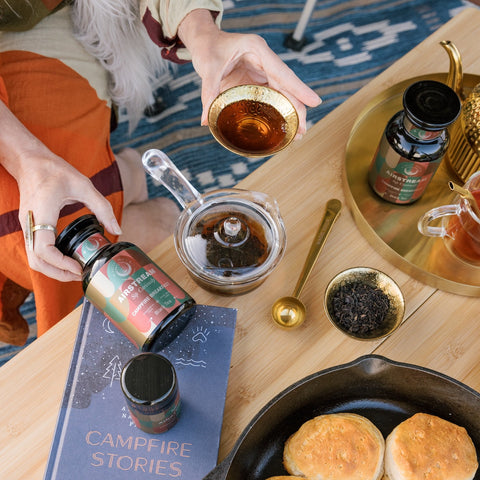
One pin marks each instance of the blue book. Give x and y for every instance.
(95, 437)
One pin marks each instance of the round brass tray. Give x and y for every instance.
(390, 228)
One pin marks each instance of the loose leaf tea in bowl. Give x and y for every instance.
(360, 308)
(364, 303)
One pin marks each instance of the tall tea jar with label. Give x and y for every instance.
(414, 142)
(138, 297)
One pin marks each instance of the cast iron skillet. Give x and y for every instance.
(382, 390)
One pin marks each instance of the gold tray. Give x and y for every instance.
(390, 228)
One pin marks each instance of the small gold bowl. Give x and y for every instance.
(253, 120)
(357, 285)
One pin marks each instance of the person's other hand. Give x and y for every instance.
(224, 60)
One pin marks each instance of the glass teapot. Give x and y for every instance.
(464, 150)
(229, 240)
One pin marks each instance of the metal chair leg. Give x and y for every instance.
(296, 40)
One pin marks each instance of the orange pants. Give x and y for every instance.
(62, 109)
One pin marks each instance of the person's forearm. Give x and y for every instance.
(197, 30)
(15, 141)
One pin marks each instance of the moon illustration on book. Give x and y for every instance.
(107, 326)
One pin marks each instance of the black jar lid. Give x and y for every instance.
(431, 105)
(149, 379)
(76, 232)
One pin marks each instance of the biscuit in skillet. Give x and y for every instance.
(286, 477)
(339, 446)
(426, 447)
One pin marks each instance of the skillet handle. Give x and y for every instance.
(221, 470)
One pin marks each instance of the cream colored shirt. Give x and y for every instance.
(170, 13)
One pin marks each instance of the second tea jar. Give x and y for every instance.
(414, 142)
(149, 383)
(126, 285)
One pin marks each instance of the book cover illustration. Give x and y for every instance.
(96, 438)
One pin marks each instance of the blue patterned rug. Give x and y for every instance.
(348, 43)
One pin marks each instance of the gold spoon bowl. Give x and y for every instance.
(288, 312)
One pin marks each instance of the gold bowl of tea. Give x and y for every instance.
(364, 303)
(253, 120)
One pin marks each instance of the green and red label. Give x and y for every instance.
(135, 294)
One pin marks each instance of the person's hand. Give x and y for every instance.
(247, 59)
(46, 184)
(45, 188)
(224, 60)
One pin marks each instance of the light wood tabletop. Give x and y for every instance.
(440, 330)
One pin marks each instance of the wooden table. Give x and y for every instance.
(440, 330)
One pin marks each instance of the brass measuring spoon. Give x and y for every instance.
(289, 312)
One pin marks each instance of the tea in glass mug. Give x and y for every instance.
(460, 227)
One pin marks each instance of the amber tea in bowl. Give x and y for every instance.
(253, 120)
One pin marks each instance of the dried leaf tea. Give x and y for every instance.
(360, 308)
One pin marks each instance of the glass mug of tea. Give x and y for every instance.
(460, 227)
(253, 120)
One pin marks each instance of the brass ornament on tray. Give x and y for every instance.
(464, 151)
(392, 229)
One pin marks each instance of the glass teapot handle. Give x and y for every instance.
(161, 168)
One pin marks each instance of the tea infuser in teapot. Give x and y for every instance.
(229, 240)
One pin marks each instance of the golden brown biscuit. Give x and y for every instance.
(427, 447)
(286, 477)
(339, 446)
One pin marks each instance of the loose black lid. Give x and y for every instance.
(148, 378)
(431, 105)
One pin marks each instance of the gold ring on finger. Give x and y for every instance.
(44, 226)
(29, 231)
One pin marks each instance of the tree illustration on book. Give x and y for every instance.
(114, 369)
